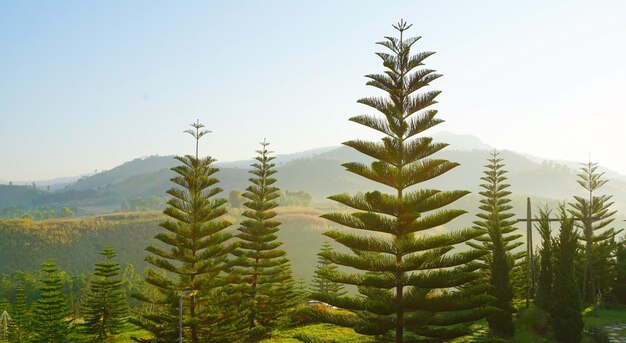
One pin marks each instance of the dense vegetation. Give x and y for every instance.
(398, 268)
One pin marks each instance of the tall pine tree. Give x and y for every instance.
(543, 297)
(619, 283)
(499, 241)
(321, 283)
(192, 252)
(566, 317)
(50, 311)
(20, 326)
(408, 277)
(264, 267)
(105, 308)
(594, 214)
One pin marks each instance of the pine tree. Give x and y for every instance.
(20, 327)
(619, 283)
(105, 308)
(264, 267)
(302, 295)
(50, 311)
(566, 317)
(594, 214)
(543, 296)
(193, 252)
(321, 283)
(408, 278)
(518, 279)
(604, 259)
(495, 221)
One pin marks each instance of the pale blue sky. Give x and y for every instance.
(88, 85)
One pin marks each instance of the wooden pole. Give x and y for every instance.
(528, 251)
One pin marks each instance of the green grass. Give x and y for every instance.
(130, 331)
(531, 327)
(318, 333)
(607, 316)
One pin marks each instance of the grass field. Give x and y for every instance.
(531, 327)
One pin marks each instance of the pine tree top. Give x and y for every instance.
(108, 252)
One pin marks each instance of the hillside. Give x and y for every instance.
(75, 243)
(318, 172)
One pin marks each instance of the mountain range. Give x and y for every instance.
(75, 242)
(317, 171)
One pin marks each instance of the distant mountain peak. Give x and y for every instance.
(462, 142)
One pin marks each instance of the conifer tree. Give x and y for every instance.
(593, 211)
(302, 295)
(518, 279)
(321, 283)
(264, 267)
(193, 252)
(499, 241)
(566, 317)
(105, 308)
(543, 296)
(50, 311)
(604, 259)
(408, 276)
(619, 283)
(21, 326)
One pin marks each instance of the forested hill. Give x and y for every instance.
(318, 172)
(75, 243)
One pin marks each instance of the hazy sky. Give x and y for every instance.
(88, 85)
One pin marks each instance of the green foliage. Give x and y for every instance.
(295, 198)
(234, 198)
(18, 196)
(619, 283)
(323, 333)
(543, 296)
(408, 276)
(65, 212)
(535, 319)
(566, 317)
(132, 283)
(38, 213)
(50, 311)
(499, 241)
(141, 204)
(265, 269)
(105, 308)
(192, 256)
(321, 284)
(21, 325)
(604, 265)
(518, 280)
(25, 244)
(74, 288)
(594, 214)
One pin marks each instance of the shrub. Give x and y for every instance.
(536, 319)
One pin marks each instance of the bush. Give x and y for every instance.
(535, 319)
(304, 314)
